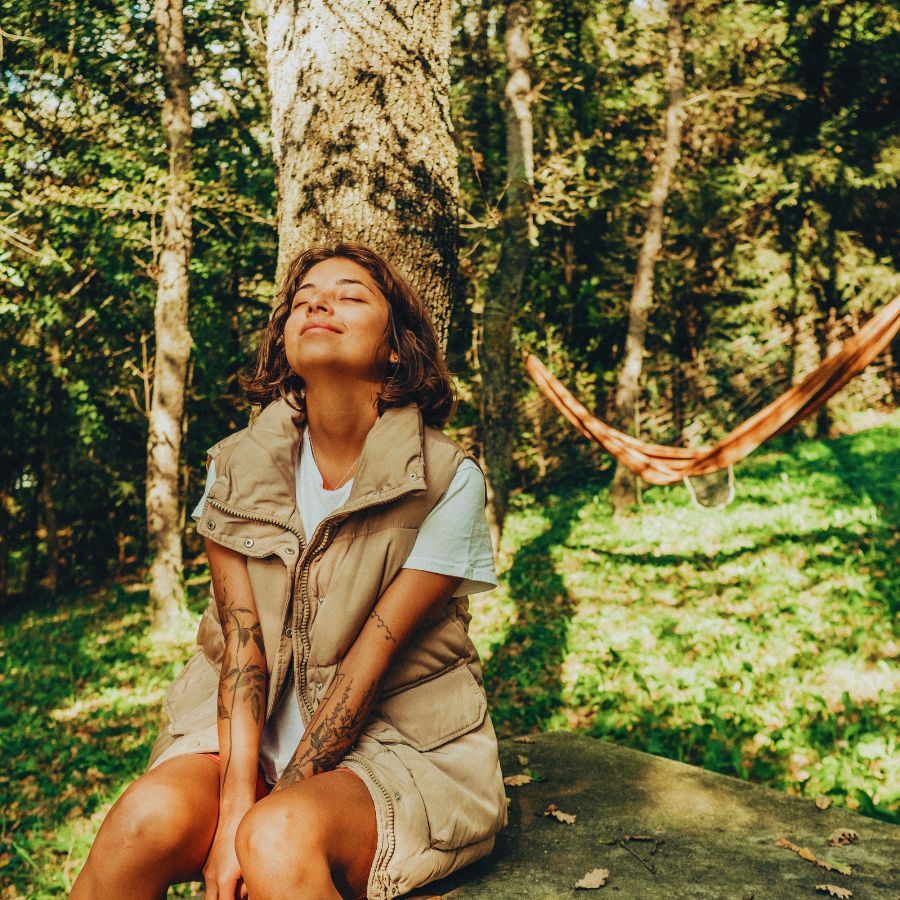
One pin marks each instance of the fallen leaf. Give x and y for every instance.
(517, 780)
(807, 854)
(823, 802)
(840, 837)
(834, 891)
(559, 815)
(523, 760)
(524, 739)
(594, 879)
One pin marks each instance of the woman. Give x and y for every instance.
(344, 531)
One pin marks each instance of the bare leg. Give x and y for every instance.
(158, 833)
(315, 839)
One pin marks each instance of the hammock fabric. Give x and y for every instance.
(658, 464)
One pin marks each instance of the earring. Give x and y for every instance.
(395, 359)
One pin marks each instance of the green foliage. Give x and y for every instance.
(756, 641)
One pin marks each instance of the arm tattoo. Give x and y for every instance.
(246, 677)
(331, 731)
(382, 624)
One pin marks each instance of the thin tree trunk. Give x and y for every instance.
(361, 136)
(173, 340)
(628, 388)
(498, 415)
(826, 321)
(50, 579)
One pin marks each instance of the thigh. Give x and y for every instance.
(334, 812)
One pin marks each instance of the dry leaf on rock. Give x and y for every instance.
(834, 891)
(840, 837)
(822, 802)
(559, 815)
(807, 854)
(517, 780)
(524, 739)
(594, 879)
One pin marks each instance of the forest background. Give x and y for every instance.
(670, 629)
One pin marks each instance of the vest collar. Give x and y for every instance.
(259, 477)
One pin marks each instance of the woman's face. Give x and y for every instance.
(336, 324)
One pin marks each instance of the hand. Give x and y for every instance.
(222, 872)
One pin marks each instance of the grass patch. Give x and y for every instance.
(757, 641)
(81, 691)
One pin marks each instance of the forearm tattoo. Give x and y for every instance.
(337, 721)
(389, 636)
(242, 675)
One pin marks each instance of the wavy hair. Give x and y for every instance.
(420, 376)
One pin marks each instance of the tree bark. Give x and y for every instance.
(628, 387)
(361, 136)
(503, 300)
(173, 340)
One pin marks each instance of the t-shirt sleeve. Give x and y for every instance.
(454, 538)
(210, 478)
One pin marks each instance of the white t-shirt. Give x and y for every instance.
(453, 540)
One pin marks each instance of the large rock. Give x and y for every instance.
(713, 836)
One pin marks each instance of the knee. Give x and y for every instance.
(148, 817)
(269, 838)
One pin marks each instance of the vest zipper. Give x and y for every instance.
(271, 520)
(361, 761)
(335, 518)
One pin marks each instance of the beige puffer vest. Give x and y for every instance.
(428, 753)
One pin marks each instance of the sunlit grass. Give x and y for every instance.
(757, 641)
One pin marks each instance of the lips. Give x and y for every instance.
(320, 325)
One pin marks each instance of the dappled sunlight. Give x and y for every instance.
(112, 699)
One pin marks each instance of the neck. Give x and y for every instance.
(339, 416)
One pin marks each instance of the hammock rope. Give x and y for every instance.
(658, 464)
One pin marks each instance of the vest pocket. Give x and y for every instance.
(432, 712)
(439, 729)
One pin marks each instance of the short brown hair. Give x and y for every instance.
(421, 376)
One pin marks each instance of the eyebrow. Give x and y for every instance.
(339, 281)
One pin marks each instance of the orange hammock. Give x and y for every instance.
(657, 464)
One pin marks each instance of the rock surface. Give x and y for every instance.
(710, 836)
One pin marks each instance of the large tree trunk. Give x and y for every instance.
(173, 340)
(505, 287)
(361, 135)
(628, 388)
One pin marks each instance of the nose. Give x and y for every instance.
(318, 303)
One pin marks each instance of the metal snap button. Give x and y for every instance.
(211, 525)
(412, 475)
(321, 599)
(290, 550)
(319, 685)
(248, 542)
(288, 632)
(396, 796)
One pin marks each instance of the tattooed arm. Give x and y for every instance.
(412, 596)
(241, 710)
